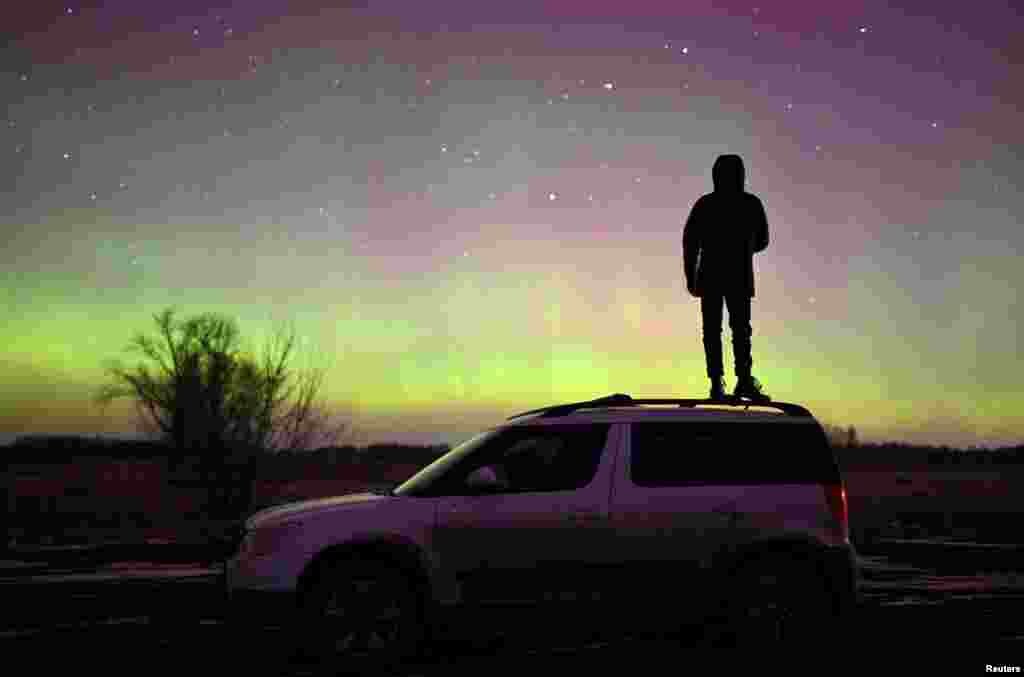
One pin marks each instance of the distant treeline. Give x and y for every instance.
(65, 449)
(55, 449)
(897, 455)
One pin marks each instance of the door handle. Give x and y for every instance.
(726, 509)
(727, 512)
(583, 516)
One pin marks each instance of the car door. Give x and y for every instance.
(528, 542)
(670, 515)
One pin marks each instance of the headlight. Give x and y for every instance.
(263, 541)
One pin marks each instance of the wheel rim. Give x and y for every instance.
(363, 615)
(771, 610)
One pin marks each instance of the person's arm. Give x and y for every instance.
(692, 243)
(760, 229)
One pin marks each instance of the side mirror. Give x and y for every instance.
(484, 479)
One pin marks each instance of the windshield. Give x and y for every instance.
(421, 482)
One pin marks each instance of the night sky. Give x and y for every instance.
(474, 210)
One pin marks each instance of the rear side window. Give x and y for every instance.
(681, 454)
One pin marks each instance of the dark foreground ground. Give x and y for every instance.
(926, 608)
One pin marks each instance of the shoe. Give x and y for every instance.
(717, 389)
(749, 388)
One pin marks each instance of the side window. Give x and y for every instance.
(546, 458)
(680, 454)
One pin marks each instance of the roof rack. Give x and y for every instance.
(623, 400)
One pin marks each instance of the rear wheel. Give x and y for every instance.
(779, 600)
(360, 610)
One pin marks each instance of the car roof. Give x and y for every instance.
(650, 413)
(620, 407)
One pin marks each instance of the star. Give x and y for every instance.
(427, 82)
(590, 197)
(69, 10)
(67, 156)
(812, 299)
(935, 124)
(863, 29)
(92, 196)
(444, 148)
(609, 85)
(122, 185)
(492, 195)
(552, 197)
(24, 77)
(476, 153)
(685, 50)
(565, 96)
(668, 45)
(818, 148)
(195, 32)
(336, 83)
(789, 106)
(228, 32)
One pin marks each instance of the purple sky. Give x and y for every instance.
(476, 208)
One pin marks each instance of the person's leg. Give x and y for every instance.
(711, 317)
(739, 325)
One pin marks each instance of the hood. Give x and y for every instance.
(282, 512)
(728, 173)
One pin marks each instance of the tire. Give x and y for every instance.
(779, 600)
(360, 611)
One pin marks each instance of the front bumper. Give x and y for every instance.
(261, 607)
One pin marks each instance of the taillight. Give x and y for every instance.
(835, 496)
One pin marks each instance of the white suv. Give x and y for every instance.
(700, 508)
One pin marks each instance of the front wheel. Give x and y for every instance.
(358, 610)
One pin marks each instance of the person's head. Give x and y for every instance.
(728, 173)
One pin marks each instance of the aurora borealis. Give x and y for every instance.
(476, 209)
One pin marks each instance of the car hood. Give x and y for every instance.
(283, 512)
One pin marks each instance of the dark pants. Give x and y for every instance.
(739, 324)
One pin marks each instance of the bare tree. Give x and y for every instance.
(208, 392)
(205, 395)
(288, 414)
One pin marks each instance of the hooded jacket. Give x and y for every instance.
(724, 230)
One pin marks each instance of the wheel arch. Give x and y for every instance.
(393, 549)
(816, 556)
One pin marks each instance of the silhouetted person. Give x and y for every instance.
(723, 232)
